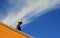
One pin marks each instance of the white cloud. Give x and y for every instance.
(33, 8)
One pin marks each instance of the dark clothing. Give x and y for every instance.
(18, 28)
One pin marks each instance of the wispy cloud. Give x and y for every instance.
(29, 11)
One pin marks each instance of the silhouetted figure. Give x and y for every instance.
(18, 26)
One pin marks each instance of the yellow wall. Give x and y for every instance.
(7, 32)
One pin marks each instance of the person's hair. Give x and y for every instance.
(20, 23)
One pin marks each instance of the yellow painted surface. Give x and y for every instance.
(6, 32)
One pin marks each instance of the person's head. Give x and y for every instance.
(19, 23)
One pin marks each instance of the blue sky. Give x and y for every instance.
(44, 26)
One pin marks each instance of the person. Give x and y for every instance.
(19, 26)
